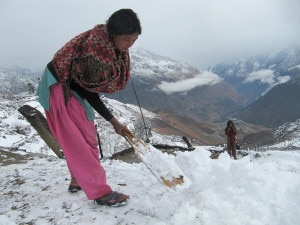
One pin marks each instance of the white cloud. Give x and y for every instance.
(283, 79)
(205, 78)
(264, 76)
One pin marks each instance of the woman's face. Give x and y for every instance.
(124, 42)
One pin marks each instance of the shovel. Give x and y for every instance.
(162, 165)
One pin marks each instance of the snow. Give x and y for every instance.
(223, 191)
(258, 189)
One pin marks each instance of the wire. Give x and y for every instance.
(140, 110)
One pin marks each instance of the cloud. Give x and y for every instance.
(283, 79)
(205, 78)
(264, 76)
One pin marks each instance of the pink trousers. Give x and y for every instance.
(77, 138)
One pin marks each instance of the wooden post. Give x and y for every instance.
(39, 123)
(188, 143)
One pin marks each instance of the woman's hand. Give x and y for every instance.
(119, 128)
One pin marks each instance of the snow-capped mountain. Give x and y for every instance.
(16, 80)
(255, 76)
(244, 82)
(161, 84)
(279, 105)
(150, 66)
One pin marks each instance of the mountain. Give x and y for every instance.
(279, 105)
(14, 126)
(270, 85)
(255, 76)
(16, 80)
(162, 84)
(242, 83)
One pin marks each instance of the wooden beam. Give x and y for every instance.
(39, 123)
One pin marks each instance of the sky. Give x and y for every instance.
(257, 189)
(199, 32)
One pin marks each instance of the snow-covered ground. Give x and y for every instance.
(258, 189)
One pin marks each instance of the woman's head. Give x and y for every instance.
(230, 123)
(123, 21)
(124, 27)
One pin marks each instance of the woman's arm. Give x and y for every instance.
(94, 100)
(99, 106)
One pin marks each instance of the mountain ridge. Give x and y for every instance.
(280, 105)
(208, 96)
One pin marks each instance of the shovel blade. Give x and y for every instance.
(162, 165)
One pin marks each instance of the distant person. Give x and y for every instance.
(230, 132)
(92, 62)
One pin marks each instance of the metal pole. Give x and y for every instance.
(99, 143)
(140, 110)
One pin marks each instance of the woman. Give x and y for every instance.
(92, 62)
(230, 132)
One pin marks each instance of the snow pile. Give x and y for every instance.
(254, 191)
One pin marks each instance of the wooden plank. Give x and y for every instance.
(39, 123)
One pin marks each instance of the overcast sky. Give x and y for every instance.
(199, 32)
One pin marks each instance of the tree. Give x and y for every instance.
(31, 88)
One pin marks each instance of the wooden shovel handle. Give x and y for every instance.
(133, 140)
(129, 137)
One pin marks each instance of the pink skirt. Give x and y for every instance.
(77, 138)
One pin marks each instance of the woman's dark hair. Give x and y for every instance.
(229, 122)
(123, 21)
